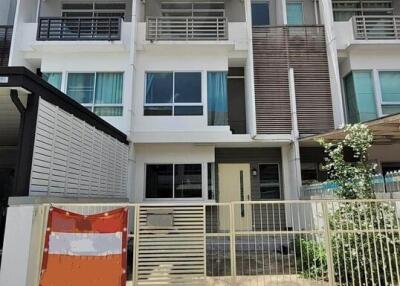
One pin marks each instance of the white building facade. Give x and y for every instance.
(212, 90)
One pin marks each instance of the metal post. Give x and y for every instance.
(328, 244)
(136, 247)
(232, 239)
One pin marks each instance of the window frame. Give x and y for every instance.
(269, 12)
(302, 9)
(203, 182)
(173, 103)
(377, 81)
(91, 106)
(278, 164)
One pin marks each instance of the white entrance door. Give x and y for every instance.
(234, 186)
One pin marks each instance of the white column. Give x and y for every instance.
(21, 248)
(284, 12)
(326, 12)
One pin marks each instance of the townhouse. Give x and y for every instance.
(219, 96)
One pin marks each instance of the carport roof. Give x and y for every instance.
(21, 78)
(386, 131)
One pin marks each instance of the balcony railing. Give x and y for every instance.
(186, 28)
(376, 27)
(5, 43)
(79, 29)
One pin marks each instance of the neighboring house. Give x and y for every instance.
(207, 90)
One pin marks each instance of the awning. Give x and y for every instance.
(386, 131)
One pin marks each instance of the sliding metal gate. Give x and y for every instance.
(170, 245)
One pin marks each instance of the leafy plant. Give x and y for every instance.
(311, 258)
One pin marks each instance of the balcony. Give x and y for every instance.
(79, 29)
(187, 28)
(376, 27)
(5, 43)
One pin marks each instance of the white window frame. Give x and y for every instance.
(173, 104)
(93, 105)
(204, 182)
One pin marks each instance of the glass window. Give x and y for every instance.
(260, 13)
(99, 92)
(80, 86)
(159, 181)
(269, 181)
(174, 181)
(390, 90)
(211, 181)
(188, 181)
(169, 93)
(360, 96)
(295, 14)
(159, 87)
(217, 94)
(53, 78)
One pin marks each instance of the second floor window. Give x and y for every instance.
(53, 78)
(99, 92)
(173, 94)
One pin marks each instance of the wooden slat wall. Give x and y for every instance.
(271, 80)
(276, 49)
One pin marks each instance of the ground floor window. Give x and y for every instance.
(165, 181)
(270, 187)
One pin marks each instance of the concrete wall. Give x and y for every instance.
(169, 153)
(52, 8)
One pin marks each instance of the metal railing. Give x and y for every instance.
(325, 242)
(186, 28)
(376, 27)
(5, 44)
(388, 184)
(79, 29)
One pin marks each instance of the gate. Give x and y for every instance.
(170, 245)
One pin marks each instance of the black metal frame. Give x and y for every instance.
(79, 29)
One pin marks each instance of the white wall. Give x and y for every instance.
(169, 153)
(17, 261)
(110, 62)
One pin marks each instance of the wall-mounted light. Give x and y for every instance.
(254, 172)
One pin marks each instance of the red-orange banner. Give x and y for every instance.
(85, 250)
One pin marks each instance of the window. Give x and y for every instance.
(360, 96)
(99, 92)
(217, 98)
(309, 173)
(53, 78)
(295, 14)
(260, 13)
(192, 9)
(93, 10)
(390, 90)
(211, 181)
(174, 181)
(270, 187)
(173, 93)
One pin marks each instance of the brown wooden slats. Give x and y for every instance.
(276, 49)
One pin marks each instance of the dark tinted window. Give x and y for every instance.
(260, 13)
(159, 87)
(188, 87)
(269, 181)
(188, 181)
(159, 181)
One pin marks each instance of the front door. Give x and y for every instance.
(234, 186)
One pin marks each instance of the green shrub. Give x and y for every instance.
(310, 258)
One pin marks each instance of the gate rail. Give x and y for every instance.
(325, 242)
